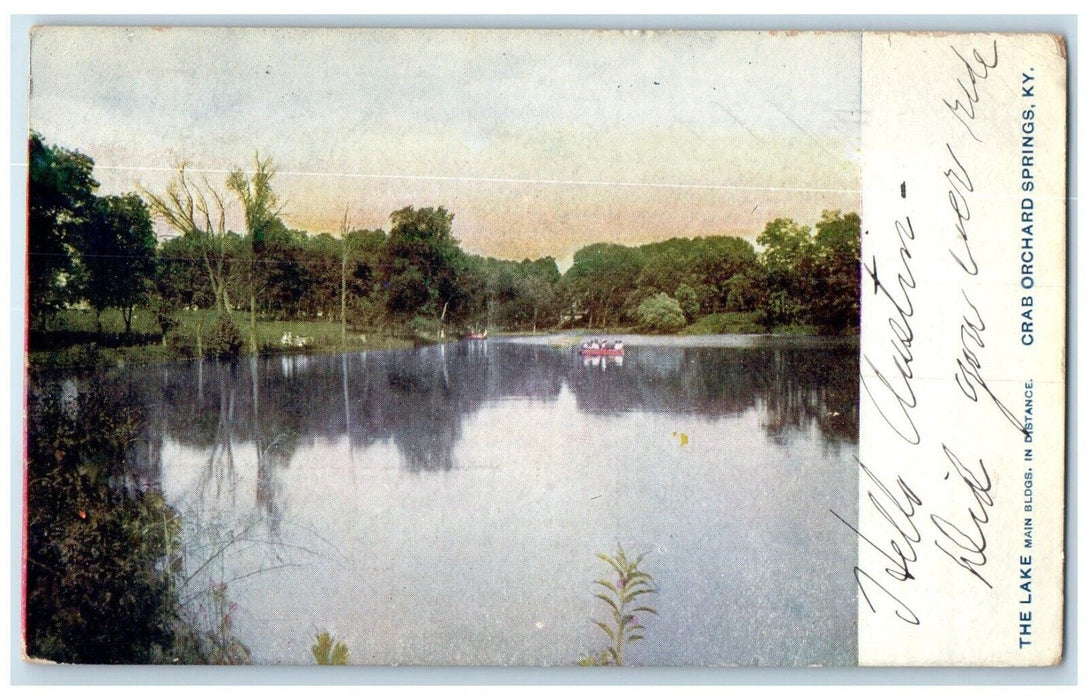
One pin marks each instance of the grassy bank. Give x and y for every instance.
(716, 324)
(730, 323)
(73, 340)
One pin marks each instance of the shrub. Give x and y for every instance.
(98, 582)
(688, 300)
(224, 340)
(661, 313)
(181, 344)
(422, 327)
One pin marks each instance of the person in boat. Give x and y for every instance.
(618, 345)
(594, 344)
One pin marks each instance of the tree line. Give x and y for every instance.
(102, 252)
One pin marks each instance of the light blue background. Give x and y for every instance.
(30, 674)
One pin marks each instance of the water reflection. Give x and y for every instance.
(365, 472)
(602, 362)
(419, 399)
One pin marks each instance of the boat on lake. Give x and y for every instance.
(596, 348)
(478, 335)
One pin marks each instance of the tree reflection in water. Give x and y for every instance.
(417, 400)
(226, 437)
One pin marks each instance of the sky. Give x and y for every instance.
(539, 142)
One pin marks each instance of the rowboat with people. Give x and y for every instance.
(601, 348)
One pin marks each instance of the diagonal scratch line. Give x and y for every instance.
(500, 180)
(800, 128)
(734, 117)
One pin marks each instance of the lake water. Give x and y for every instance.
(443, 505)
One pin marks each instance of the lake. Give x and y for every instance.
(444, 505)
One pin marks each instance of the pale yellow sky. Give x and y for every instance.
(539, 142)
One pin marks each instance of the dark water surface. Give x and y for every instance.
(443, 505)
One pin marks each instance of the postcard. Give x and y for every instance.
(544, 347)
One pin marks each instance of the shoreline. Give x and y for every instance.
(91, 357)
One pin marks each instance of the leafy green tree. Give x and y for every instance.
(61, 197)
(602, 277)
(224, 339)
(789, 265)
(261, 206)
(180, 279)
(422, 265)
(519, 295)
(836, 301)
(786, 247)
(661, 313)
(117, 255)
(714, 261)
(744, 291)
(287, 278)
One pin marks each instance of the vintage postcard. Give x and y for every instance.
(545, 348)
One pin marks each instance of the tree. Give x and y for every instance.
(422, 263)
(61, 196)
(836, 303)
(786, 247)
(602, 277)
(789, 264)
(261, 207)
(198, 213)
(714, 261)
(181, 279)
(117, 255)
(345, 245)
(285, 276)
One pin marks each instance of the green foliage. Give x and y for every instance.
(601, 279)
(744, 291)
(98, 582)
(181, 344)
(422, 327)
(796, 329)
(327, 651)
(223, 340)
(418, 270)
(730, 322)
(813, 280)
(117, 254)
(836, 302)
(166, 317)
(104, 553)
(688, 300)
(423, 265)
(661, 313)
(516, 295)
(621, 596)
(61, 198)
(259, 200)
(182, 277)
(265, 252)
